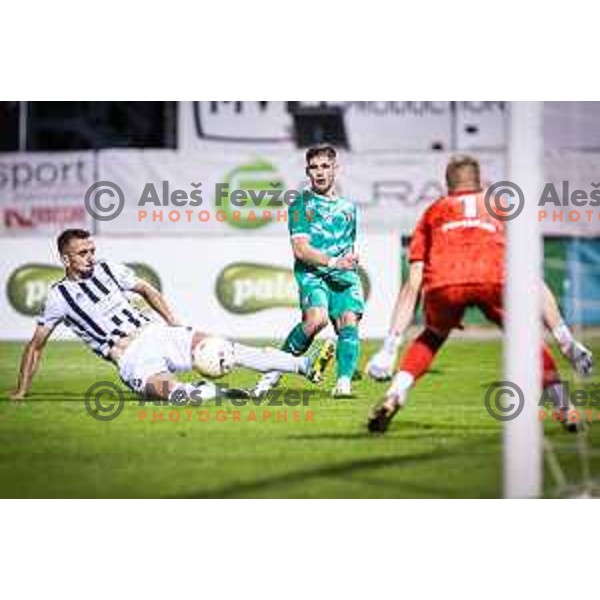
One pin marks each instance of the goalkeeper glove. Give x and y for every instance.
(381, 365)
(581, 358)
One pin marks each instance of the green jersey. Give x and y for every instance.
(329, 224)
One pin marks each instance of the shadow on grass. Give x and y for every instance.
(403, 430)
(362, 467)
(59, 397)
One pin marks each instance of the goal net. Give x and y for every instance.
(553, 155)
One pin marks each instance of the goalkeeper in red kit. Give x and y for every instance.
(457, 260)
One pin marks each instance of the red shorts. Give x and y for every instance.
(445, 306)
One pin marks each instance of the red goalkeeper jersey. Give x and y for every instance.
(459, 242)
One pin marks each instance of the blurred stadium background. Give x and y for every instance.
(392, 164)
(235, 277)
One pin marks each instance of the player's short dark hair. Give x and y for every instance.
(458, 163)
(70, 234)
(326, 149)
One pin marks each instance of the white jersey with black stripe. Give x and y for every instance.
(96, 308)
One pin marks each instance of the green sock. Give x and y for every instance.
(348, 351)
(297, 342)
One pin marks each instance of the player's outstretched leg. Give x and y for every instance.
(298, 341)
(271, 359)
(296, 344)
(414, 364)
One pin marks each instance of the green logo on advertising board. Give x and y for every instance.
(147, 273)
(244, 288)
(249, 192)
(28, 285)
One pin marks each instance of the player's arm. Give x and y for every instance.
(382, 363)
(581, 358)
(550, 311)
(305, 253)
(300, 222)
(129, 281)
(156, 300)
(30, 360)
(407, 301)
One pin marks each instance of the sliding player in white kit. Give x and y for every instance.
(91, 301)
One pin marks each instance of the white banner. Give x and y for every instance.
(242, 288)
(237, 171)
(247, 193)
(572, 125)
(43, 192)
(570, 201)
(391, 190)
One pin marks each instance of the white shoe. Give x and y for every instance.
(266, 383)
(343, 388)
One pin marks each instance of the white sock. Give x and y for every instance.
(268, 359)
(191, 392)
(562, 334)
(402, 381)
(271, 377)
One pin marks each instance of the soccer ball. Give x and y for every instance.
(213, 357)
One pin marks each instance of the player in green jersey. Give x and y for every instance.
(322, 228)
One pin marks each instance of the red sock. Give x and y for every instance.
(550, 370)
(420, 353)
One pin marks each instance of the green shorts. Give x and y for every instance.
(335, 298)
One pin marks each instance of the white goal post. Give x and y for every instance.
(523, 454)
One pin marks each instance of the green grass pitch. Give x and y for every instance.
(443, 445)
